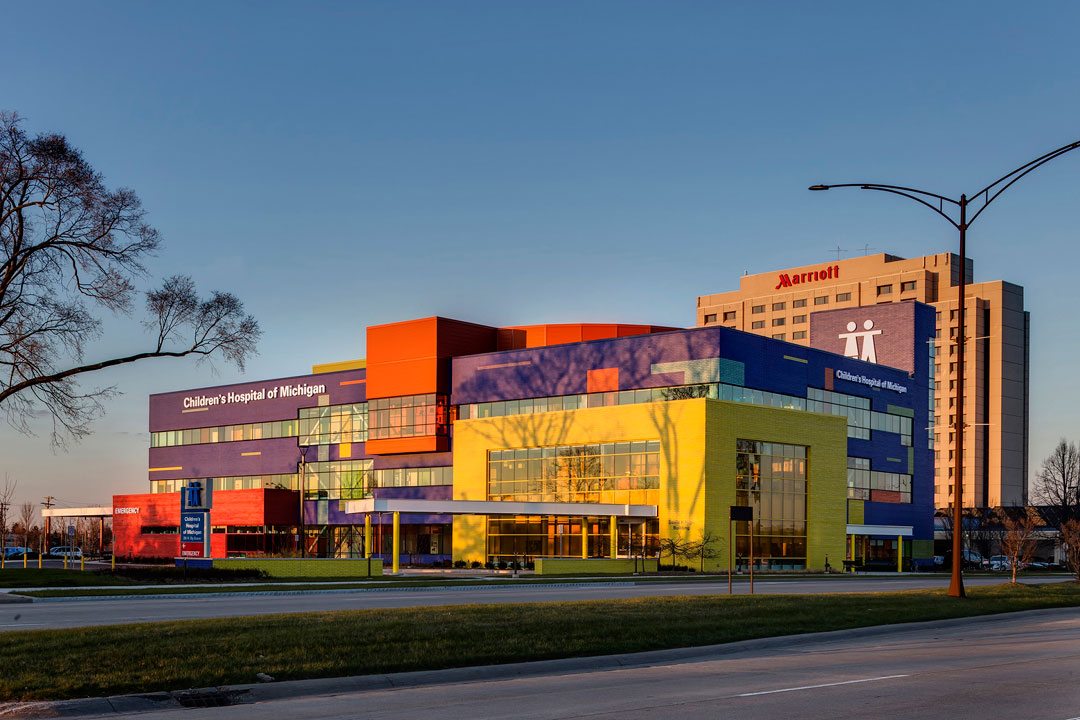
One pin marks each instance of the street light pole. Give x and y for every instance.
(987, 195)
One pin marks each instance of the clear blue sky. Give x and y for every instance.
(343, 164)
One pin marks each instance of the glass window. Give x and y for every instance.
(621, 473)
(798, 335)
(821, 300)
(778, 336)
(710, 318)
(907, 286)
(798, 303)
(409, 416)
(777, 322)
(757, 324)
(729, 315)
(884, 290)
(843, 297)
(778, 306)
(772, 479)
(757, 309)
(798, 319)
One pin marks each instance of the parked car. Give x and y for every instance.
(65, 551)
(16, 552)
(1000, 563)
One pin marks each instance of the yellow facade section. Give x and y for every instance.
(856, 512)
(339, 366)
(697, 463)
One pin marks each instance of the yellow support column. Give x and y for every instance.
(367, 536)
(899, 553)
(584, 539)
(396, 553)
(24, 560)
(614, 537)
(851, 539)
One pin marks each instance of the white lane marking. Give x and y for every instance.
(813, 687)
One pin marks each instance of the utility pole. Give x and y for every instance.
(3, 525)
(48, 524)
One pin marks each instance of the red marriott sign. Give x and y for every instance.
(787, 280)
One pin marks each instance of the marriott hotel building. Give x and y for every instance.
(782, 304)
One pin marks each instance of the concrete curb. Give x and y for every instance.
(268, 692)
(12, 599)
(327, 591)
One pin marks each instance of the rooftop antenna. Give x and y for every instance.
(866, 249)
(839, 251)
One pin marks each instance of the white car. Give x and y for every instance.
(66, 551)
(1000, 563)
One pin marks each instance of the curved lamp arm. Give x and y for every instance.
(910, 193)
(990, 194)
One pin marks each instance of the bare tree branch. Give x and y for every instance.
(69, 248)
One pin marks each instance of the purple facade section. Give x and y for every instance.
(563, 369)
(279, 455)
(884, 332)
(253, 402)
(413, 460)
(336, 515)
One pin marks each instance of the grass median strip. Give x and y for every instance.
(178, 655)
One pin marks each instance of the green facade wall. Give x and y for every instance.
(305, 567)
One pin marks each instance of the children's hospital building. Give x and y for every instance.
(456, 441)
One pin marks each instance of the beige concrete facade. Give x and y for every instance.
(779, 303)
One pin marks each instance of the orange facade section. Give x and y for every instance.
(530, 336)
(394, 446)
(413, 357)
(603, 380)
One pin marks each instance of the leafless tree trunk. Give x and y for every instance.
(1070, 538)
(7, 495)
(27, 511)
(704, 548)
(69, 246)
(1058, 482)
(1019, 539)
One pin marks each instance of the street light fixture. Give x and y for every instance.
(943, 206)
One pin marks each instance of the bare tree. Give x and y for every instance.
(1018, 541)
(673, 546)
(70, 246)
(704, 548)
(27, 511)
(1070, 540)
(1058, 482)
(7, 495)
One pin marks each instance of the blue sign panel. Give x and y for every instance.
(194, 533)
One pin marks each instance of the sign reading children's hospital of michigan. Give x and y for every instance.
(882, 334)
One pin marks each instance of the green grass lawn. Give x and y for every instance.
(55, 577)
(178, 655)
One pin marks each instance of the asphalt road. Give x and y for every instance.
(1017, 666)
(80, 613)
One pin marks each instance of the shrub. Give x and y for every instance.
(459, 564)
(476, 565)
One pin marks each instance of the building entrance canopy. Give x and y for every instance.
(396, 506)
